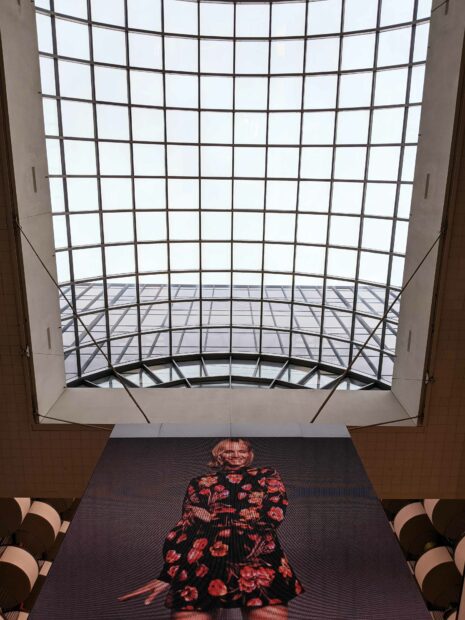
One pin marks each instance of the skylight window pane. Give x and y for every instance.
(408, 164)
(180, 17)
(342, 263)
(111, 85)
(152, 257)
(358, 51)
(352, 127)
(216, 194)
(250, 128)
(318, 128)
(421, 42)
(281, 195)
(287, 56)
(320, 92)
(258, 50)
(279, 227)
(53, 156)
(116, 194)
(60, 231)
(285, 93)
(151, 226)
(184, 225)
(252, 20)
(144, 14)
(216, 92)
(57, 195)
(247, 256)
(109, 46)
(279, 258)
(391, 86)
(216, 56)
(377, 234)
(103, 11)
(74, 80)
(249, 162)
(322, 55)
(145, 51)
(400, 243)
(344, 230)
(316, 163)
(216, 19)
(216, 127)
(181, 126)
(384, 163)
(77, 119)
(118, 227)
(288, 20)
(312, 229)
(146, 88)
(112, 122)
(44, 33)
(216, 161)
(393, 12)
(150, 193)
(79, 157)
(119, 259)
(314, 196)
(350, 163)
(248, 226)
(82, 194)
(347, 197)
(47, 76)
(180, 54)
(394, 47)
(148, 125)
(72, 39)
(283, 162)
(387, 125)
(184, 256)
(324, 17)
(380, 199)
(183, 161)
(216, 226)
(413, 124)
(373, 267)
(310, 259)
(355, 90)
(360, 14)
(183, 193)
(149, 159)
(114, 158)
(87, 263)
(216, 256)
(416, 84)
(249, 194)
(284, 128)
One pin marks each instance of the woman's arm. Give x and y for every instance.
(275, 502)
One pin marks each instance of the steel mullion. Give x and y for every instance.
(299, 170)
(331, 181)
(65, 190)
(98, 177)
(265, 180)
(168, 244)
(199, 163)
(365, 184)
(232, 240)
(399, 184)
(133, 188)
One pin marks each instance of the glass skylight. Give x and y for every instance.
(231, 177)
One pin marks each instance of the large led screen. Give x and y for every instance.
(226, 527)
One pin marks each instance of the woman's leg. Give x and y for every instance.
(270, 612)
(194, 615)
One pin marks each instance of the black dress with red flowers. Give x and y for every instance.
(235, 559)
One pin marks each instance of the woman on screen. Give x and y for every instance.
(225, 552)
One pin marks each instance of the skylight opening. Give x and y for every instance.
(231, 177)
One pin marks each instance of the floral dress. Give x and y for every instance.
(235, 559)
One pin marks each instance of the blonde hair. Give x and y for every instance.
(218, 449)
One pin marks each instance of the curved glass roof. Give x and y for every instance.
(231, 177)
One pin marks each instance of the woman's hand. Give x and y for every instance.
(152, 588)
